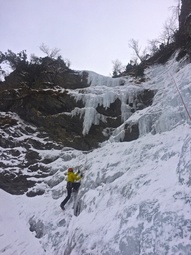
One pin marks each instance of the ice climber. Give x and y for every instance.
(71, 185)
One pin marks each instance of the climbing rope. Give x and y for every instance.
(184, 104)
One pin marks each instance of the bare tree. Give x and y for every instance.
(52, 53)
(134, 44)
(169, 30)
(176, 9)
(118, 67)
(34, 59)
(153, 46)
(171, 25)
(167, 36)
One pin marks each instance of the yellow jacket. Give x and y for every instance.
(73, 177)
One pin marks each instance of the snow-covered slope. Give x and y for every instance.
(135, 197)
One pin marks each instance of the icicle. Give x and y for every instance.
(145, 124)
(91, 117)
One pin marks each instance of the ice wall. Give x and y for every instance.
(167, 109)
(103, 92)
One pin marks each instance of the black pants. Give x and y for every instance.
(70, 186)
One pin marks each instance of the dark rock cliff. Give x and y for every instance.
(50, 111)
(183, 36)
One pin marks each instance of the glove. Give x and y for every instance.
(78, 172)
(81, 175)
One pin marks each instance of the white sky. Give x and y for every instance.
(90, 33)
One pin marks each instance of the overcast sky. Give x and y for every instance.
(90, 33)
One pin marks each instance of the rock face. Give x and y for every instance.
(51, 110)
(19, 156)
(185, 20)
(184, 33)
(46, 73)
(185, 12)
